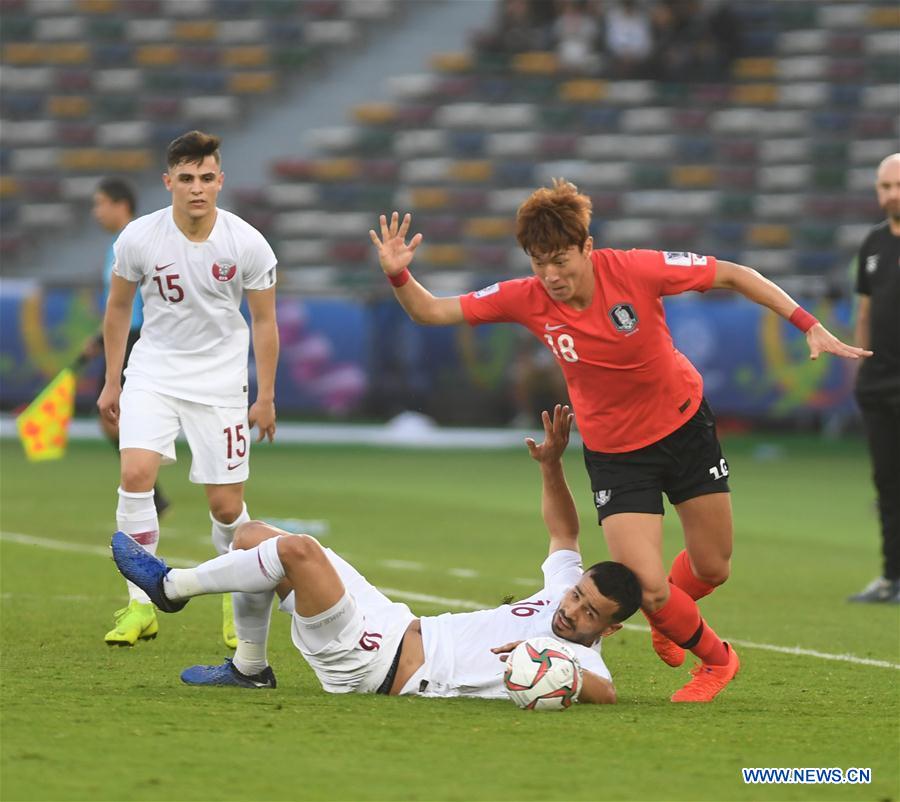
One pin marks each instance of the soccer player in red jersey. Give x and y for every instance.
(639, 403)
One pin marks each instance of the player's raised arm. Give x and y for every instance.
(759, 289)
(395, 256)
(116, 322)
(557, 505)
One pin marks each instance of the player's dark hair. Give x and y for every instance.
(193, 147)
(553, 219)
(617, 582)
(118, 190)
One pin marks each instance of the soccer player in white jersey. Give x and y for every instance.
(359, 641)
(192, 263)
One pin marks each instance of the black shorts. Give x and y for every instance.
(683, 465)
(133, 336)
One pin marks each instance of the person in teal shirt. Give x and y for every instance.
(115, 204)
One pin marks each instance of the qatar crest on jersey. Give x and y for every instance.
(224, 269)
(623, 317)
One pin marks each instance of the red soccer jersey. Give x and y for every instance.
(628, 384)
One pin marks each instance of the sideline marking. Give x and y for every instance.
(462, 604)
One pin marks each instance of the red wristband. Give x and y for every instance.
(401, 278)
(802, 319)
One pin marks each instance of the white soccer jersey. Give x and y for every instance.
(458, 657)
(194, 340)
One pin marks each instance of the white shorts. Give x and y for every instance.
(351, 645)
(219, 437)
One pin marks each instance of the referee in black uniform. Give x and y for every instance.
(878, 381)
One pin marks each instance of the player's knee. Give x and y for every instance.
(226, 511)
(714, 574)
(298, 550)
(250, 534)
(655, 597)
(136, 479)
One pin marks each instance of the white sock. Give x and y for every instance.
(223, 534)
(252, 612)
(136, 516)
(252, 571)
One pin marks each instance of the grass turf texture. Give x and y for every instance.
(82, 721)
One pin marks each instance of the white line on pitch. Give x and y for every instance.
(463, 604)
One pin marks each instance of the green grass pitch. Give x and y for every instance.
(81, 721)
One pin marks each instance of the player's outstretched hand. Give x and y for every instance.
(556, 435)
(394, 253)
(108, 403)
(504, 650)
(262, 413)
(822, 341)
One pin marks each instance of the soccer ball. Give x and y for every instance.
(542, 674)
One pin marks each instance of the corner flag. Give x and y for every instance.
(44, 424)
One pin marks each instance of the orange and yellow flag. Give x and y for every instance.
(44, 424)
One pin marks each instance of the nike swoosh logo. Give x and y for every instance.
(236, 465)
(163, 267)
(548, 327)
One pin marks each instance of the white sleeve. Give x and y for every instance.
(563, 567)
(127, 262)
(259, 263)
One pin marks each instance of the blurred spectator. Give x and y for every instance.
(516, 30)
(628, 39)
(695, 40)
(575, 34)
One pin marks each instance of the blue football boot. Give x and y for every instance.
(227, 675)
(145, 570)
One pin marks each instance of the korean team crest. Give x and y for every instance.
(623, 317)
(224, 270)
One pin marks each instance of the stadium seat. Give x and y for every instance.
(690, 120)
(768, 261)
(769, 236)
(535, 63)
(240, 31)
(842, 15)
(68, 106)
(114, 54)
(76, 134)
(779, 206)
(471, 144)
(45, 215)
(442, 255)
(583, 91)
(245, 56)
(646, 119)
(784, 150)
(108, 29)
(336, 169)
(423, 142)
(726, 233)
(149, 30)
(755, 94)
(471, 171)
(490, 228)
(804, 94)
(689, 176)
(211, 108)
(31, 132)
(451, 62)
(754, 69)
(195, 30)
(243, 83)
(793, 43)
(156, 55)
(817, 235)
